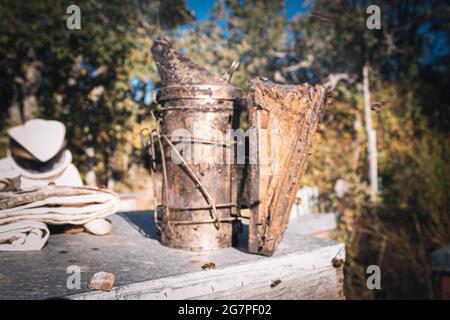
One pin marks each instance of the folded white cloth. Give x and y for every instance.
(52, 205)
(23, 236)
(78, 209)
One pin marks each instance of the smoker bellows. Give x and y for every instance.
(202, 196)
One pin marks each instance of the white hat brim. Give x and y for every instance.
(42, 138)
(57, 170)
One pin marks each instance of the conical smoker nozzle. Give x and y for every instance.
(176, 69)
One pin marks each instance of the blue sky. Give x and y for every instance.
(437, 41)
(202, 7)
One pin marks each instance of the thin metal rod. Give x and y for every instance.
(201, 222)
(188, 108)
(199, 140)
(152, 172)
(229, 74)
(218, 206)
(163, 161)
(151, 153)
(199, 184)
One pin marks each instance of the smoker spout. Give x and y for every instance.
(177, 69)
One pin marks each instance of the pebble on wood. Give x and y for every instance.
(99, 227)
(103, 281)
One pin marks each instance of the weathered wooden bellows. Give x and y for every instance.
(284, 119)
(204, 187)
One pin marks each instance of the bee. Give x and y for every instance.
(209, 265)
(337, 263)
(377, 106)
(275, 283)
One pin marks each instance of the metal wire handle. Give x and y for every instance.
(152, 155)
(156, 133)
(199, 184)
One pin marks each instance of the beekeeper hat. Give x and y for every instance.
(43, 139)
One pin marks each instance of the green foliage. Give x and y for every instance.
(412, 220)
(400, 230)
(246, 30)
(82, 77)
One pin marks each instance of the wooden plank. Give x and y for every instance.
(144, 269)
(307, 275)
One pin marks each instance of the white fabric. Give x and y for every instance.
(26, 230)
(66, 174)
(23, 236)
(22, 226)
(42, 138)
(74, 210)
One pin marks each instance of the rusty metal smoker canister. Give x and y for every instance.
(199, 187)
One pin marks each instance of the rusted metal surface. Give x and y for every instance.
(285, 118)
(176, 69)
(198, 193)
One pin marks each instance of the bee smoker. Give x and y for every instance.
(199, 198)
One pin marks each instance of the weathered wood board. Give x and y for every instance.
(144, 269)
(284, 119)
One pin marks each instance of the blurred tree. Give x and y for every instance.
(82, 77)
(407, 74)
(332, 43)
(250, 31)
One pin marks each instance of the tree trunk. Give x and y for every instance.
(14, 109)
(371, 135)
(91, 179)
(29, 89)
